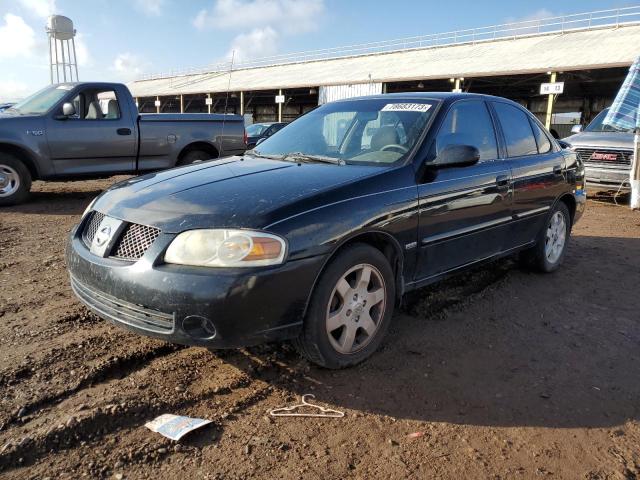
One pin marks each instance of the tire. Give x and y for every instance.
(546, 257)
(15, 180)
(359, 328)
(196, 156)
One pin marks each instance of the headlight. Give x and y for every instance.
(226, 248)
(89, 208)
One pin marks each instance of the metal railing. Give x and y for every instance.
(561, 24)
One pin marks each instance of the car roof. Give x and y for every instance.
(447, 97)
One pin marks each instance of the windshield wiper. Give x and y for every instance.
(253, 153)
(303, 157)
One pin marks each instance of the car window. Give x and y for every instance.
(469, 123)
(375, 131)
(517, 130)
(544, 144)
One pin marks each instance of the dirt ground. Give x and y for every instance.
(505, 374)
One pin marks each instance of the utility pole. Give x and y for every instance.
(550, 100)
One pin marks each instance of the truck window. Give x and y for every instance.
(97, 105)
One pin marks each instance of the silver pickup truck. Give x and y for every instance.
(606, 152)
(92, 130)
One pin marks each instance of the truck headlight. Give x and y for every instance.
(226, 248)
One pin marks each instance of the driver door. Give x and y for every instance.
(99, 138)
(465, 212)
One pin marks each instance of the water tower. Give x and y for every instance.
(62, 49)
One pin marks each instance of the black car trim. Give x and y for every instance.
(528, 213)
(465, 231)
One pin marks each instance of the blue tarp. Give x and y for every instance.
(624, 113)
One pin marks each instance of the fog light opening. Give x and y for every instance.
(199, 327)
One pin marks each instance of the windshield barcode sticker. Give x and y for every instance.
(406, 107)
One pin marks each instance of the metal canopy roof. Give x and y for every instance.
(576, 50)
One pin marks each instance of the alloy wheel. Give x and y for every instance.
(9, 181)
(356, 308)
(556, 237)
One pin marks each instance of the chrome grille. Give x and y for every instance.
(135, 241)
(91, 227)
(622, 157)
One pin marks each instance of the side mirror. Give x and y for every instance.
(457, 156)
(576, 129)
(68, 110)
(564, 145)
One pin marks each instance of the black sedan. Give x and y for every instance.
(260, 131)
(317, 233)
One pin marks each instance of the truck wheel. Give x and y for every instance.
(350, 309)
(195, 156)
(15, 180)
(551, 246)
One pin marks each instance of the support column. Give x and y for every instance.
(209, 104)
(181, 103)
(280, 107)
(547, 122)
(157, 104)
(241, 103)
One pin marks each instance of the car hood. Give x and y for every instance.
(235, 192)
(622, 140)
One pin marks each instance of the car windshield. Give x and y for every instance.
(42, 101)
(596, 124)
(380, 131)
(256, 129)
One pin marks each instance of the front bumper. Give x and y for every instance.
(216, 308)
(610, 178)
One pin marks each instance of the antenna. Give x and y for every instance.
(226, 102)
(62, 40)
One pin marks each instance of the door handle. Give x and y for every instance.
(557, 170)
(502, 180)
(124, 131)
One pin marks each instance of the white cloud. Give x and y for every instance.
(12, 90)
(259, 42)
(83, 56)
(150, 7)
(291, 16)
(17, 39)
(41, 8)
(128, 66)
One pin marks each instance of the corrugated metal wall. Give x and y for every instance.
(340, 92)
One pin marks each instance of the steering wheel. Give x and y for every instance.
(402, 148)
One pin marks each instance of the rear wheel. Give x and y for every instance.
(350, 309)
(15, 180)
(196, 156)
(551, 247)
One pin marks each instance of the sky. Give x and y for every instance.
(120, 40)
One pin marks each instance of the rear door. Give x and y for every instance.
(100, 138)
(464, 211)
(538, 171)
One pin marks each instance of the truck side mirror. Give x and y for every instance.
(576, 129)
(68, 109)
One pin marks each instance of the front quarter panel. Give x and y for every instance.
(28, 133)
(385, 203)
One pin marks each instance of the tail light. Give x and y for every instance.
(245, 137)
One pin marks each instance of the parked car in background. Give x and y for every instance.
(4, 106)
(606, 152)
(259, 131)
(85, 130)
(317, 233)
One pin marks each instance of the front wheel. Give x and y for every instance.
(15, 180)
(195, 156)
(551, 247)
(350, 309)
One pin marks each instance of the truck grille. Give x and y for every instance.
(135, 241)
(605, 157)
(91, 227)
